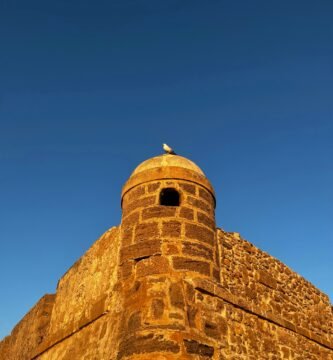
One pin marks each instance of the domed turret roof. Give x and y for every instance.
(167, 166)
(167, 160)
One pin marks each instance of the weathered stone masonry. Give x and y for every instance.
(168, 284)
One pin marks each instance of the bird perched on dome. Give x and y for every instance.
(168, 149)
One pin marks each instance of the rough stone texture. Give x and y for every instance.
(267, 283)
(29, 332)
(166, 284)
(86, 285)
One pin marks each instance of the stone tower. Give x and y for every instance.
(168, 284)
(168, 237)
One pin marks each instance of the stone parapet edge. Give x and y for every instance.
(213, 289)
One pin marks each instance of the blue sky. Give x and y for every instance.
(90, 89)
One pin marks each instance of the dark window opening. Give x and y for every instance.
(169, 197)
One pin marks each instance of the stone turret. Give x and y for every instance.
(168, 219)
(168, 234)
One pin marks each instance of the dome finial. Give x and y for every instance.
(168, 149)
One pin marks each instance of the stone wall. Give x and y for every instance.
(30, 332)
(84, 311)
(167, 284)
(233, 329)
(265, 282)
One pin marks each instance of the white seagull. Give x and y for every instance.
(168, 149)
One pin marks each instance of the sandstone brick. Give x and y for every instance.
(134, 321)
(143, 344)
(200, 233)
(146, 231)
(191, 316)
(189, 188)
(186, 213)
(158, 212)
(136, 193)
(204, 194)
(171, 249)
(130, 220)
(200, 204)
(267, 279)
(212, 329)
(216, 274)
(194, 347)
(153, 187)
(140, 203)
(157, 308)
(206, 220)
(226, 245)
(205, 286)
(126, 269)
(127, 236)
(140, 250)
(176, 296)
(190, 292)
(171, 229)
(152, 266)
(197, 250)
(181, 263)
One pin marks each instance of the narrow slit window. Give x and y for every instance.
(169, 197)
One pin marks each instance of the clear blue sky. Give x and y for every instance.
(90, 89)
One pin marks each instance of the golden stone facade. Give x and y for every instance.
(167, 284)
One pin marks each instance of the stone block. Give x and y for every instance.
(127, 236)
(204, 194)
(186, 213)
(140, 250)
(216, 274)
(176, 296)
(200, 204)
(191, 316)
(134, 322)
(135, 193)
(140, 203)
(189, 188)
(158, 212)
(267, 280)
(130, 220)
(197, 250)
(194, 347)
(126, 269)
(182, 263)
(147, 343)
(153, 187)
(206, 220)
(157, 308)
(152, 266)
(200, 233)
(171, 229)
(146, 231)
(211, 329)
